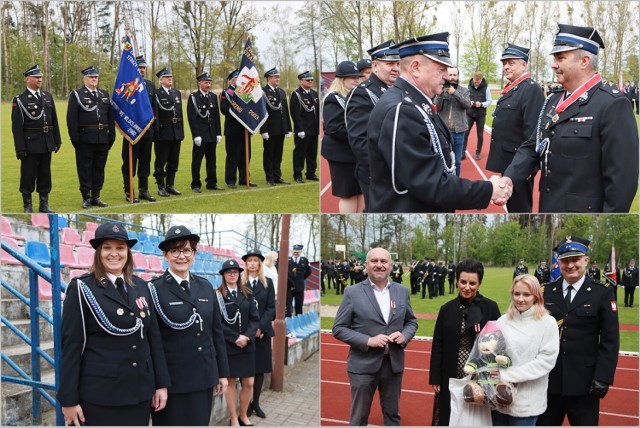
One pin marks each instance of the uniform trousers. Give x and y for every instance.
(272, 156)
(628, 296)
(141, 159)
(134, 415)
(521, 201)
(479, 121)
(90, 162)
(363, 388)
(207, 150)
(306, 149)
(451, 285)
(581, 410)
(441, 286)
(235, 161)
(35, 173)
(299, 302)
(186, 409)
(167, 155)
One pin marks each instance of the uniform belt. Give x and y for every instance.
(172, 120)
(44, 129)
(99, 126)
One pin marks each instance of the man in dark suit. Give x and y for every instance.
(204, 120)
(586, 139)
(630, 282)
(587, 316)
(169, 135)
(521, 269)
(594, 271)
(299, 271)
(410, 148)
(451, 276)
(34, 123)
(141, 152)
(376, 320)
(414, 274)
(543, 273)
(275, 128)
(234, 136)
(92, 132)
(385, 63)
(396, 271)
(305, 113)
(514, 120)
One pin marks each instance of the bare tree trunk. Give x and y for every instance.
(6, 47)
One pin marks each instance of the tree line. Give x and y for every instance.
(498, 240)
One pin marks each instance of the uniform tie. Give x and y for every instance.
(233, 294)
(253, 283)
(185, 286)
(95, 94)
(122, 289)
(567, 298)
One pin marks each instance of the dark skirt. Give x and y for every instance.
(242, 365)
(343, 179)
(263, 355)
(188, 409)
(134, 415)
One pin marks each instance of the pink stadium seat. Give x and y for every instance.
(85, 257)
(147, 276)
(91, 226)
(155, 264)
(44, 289)
(87, 236)
(7, 231)
(8, 259)
(74, 273)
(68, 257)
(70, 236)
(40, 220)
(140, 262)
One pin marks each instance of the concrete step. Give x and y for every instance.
(13, 309)
(21, 355)
(17, 403)
(9, 338)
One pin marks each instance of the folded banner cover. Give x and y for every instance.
(247, 101)
(130, 102)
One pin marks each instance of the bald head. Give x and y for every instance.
(378, 266)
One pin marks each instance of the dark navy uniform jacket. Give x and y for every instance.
(232, 128)
(335, 142)
(89, 118)
(514, 121)
(265, 298)
(196, 355)
(170, 117)
(297, 277)
(305, 112)
(592, 161)
(111, 370)
(204, 116)
(35, 123)
(589, 337)
(407, 175)
(277, 122)
(246, 324)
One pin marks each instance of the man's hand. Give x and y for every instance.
(378, 341)
(242, 341)
(22, 154)
(197, 141)
(301, 134)
(265, 135)
(502, 189)
(397, 338)
(288, 134)
(221, 387)
(451, 90)
(73, 415)
(598, 389)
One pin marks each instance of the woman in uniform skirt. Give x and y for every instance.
(113, 369)
(192, 336)
(240, 322)
(265, 297)
(335, 142)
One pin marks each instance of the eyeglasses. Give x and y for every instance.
(175, 252)
(231, 272)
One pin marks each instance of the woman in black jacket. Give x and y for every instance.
(265, 297)
(192, 336)
(239, 323)
(113, 369)
(457, 325)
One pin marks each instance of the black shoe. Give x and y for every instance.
(281, 181)
(28, 209)
(299, 180)
(163, 192)
(97, 202)
(251, 184)
(231, 185)
(463, 157)
(127, 196)
(173, 191)
(144, 194)
(271, 183)
(256, 408)
(214, 187)
(44, 208)
(86, 203)
(249, 409)
(477, 156)
(313, 178)
(196, 190)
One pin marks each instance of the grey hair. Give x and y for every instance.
(593, 58)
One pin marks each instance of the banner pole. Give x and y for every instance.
(132, 196)
(246, 156)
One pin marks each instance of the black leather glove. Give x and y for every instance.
(22, 154)
(599, 389)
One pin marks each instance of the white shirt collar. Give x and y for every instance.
(111, 277)
(178, 278)
(575, 286)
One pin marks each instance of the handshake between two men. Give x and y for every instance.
(502, 189)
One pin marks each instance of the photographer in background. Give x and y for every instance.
(452, 105)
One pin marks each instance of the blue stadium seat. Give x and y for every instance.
(39, 252)
(132, 234)
(142, 236)
(148, 247)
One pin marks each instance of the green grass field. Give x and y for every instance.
(65, 196)
(495, 286)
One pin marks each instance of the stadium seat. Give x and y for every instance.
(68, 257)
(70, 236)
(148, 247)
(7, 231)
(62, 222)
(8, 259)
(137, 247)
(147, 276)
(84, 257)
(39, 252)
(91, 226)
(140, 262)
(87, 236)
(40, 220)
(155, 264)
(132, 234)
(74, 273)
(142, 236)
(44, 288)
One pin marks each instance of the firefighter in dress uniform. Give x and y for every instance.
(275, 128)
(305, 114)
(299, 271)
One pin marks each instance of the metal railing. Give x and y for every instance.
(39, 388)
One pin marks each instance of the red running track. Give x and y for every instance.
(471, 169)
(618, 408)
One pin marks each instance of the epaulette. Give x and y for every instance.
(556, 90)
(603, 284)
(611, 90)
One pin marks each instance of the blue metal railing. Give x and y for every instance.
(39, 388)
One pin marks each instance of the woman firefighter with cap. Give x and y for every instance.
(264, 295)
(113, 368)
(191, 331)
(240, 321)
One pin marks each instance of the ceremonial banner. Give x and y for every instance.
(247, 102)
(130, 102)
(555, 267)
(611, 277)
